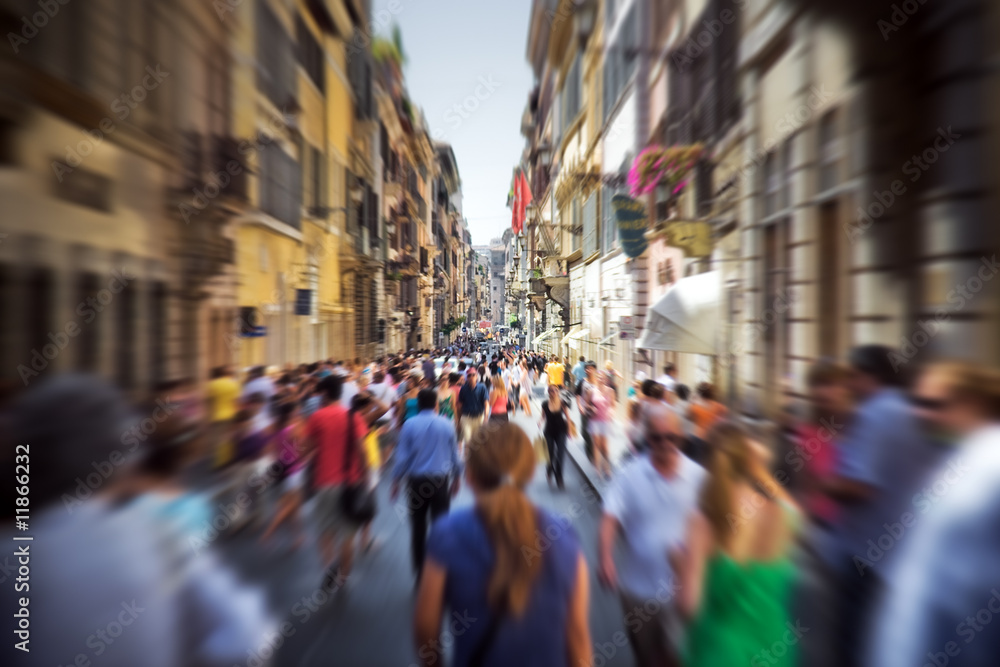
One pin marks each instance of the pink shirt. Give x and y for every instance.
(601, 405)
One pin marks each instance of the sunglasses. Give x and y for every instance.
(929, 404)
(656, 438)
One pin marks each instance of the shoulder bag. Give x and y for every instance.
(357, 500)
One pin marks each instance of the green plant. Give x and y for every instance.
(390, 50)
(394, 276)
(536, 274)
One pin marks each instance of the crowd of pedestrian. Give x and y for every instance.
(881, 488)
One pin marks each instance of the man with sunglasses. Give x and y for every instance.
(649, 504)
(943, 585)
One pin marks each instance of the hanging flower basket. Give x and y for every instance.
(663, 166)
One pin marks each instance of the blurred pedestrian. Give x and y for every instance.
(472, 400)
(557, 425)
(706, 411)
(612, 379)
(289, 453)
(735, 574)
(942, 593)
(498, 400)
(114, 559)
(585, 390)
(530, 604)
(222, 394)
(669, 377)
(814, 457)
(427, 460)
(649, 505)
(600, 400)
(337, 465)
(556, 372)
(882, 460)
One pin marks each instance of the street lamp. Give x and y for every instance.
(584, 16)
(545, 154)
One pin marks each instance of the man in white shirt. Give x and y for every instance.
(669, 377)
(943, 591)
(259, 383)
(649, 504)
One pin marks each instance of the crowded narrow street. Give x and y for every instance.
(370, 621)
(534, 333)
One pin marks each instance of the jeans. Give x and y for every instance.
(426, 494)
(588, 442)
(654, 641)
(557, 454)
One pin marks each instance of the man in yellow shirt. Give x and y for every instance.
(555, 371)
(222, 396)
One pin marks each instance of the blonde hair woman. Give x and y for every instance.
(498, 399)
(531, 603)
(736, 577)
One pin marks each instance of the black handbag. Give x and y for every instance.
(357, 500)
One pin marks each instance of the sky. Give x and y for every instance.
(466, 68)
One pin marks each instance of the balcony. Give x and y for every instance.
(405, 265)
(393, 193)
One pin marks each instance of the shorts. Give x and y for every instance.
(599, 428)
(470, 425)
(330, 517)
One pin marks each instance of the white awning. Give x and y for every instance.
(571, 335)
(546, 334)
(685, 319)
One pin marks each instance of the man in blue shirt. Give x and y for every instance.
(472, 399)
(579, 372)
(427, 456)
(883, 459)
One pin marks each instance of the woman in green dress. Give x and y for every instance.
(736, 576)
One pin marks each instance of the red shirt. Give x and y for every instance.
(327, 427)
(819, 452)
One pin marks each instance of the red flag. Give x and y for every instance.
(526, 194)
(523, 200)
(515, 205)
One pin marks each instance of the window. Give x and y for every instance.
(280, 184)
(275, 58)
(359, 73)
(608, 225)
(786, 181)
(703, 187)
(310, 53)
(125, 345)
(771, 184)
(829, 152)
(88, 345)
(576, 226)
(620, 62)
(571, 93)
(590, 226)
